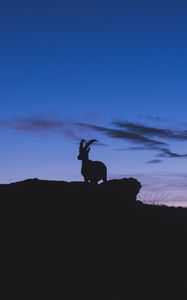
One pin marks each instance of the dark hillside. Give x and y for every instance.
(69, 199)
(41, 208)
(99, 237)
(34, 202)
(77, 200)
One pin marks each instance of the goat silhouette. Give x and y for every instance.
(92, 171)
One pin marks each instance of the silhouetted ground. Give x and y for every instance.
(68, 201)
(98, 240)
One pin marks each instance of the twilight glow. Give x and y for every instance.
(112, 70)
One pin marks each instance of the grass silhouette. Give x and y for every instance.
(153, 198)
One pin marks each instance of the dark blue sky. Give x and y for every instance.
(66, 62)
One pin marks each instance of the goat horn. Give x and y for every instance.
(90, 142)
(81, 143)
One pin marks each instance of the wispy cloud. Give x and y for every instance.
(137, 148)
(41, 125)
(154, 132)
(164, 152)
(144, 137)
(157, 119)
(154, 161)
(142, 129)
(33, 124)
(167, 153)
(123, 134)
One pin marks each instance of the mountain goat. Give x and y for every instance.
(92, 171)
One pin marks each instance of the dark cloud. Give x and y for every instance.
(101, 144)
(145, 130)
(167, 153)
(140, 148)
(154, 161)
(145, 148)
(123, 134)
(180, 135)
(34, 125)
(156, 119)
(146, 137)
(41, 125)
(140, 134)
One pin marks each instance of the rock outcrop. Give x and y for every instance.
(71, 198)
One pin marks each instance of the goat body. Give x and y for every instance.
(94, 171)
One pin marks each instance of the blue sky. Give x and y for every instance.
(97, 63)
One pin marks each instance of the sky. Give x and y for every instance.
(115, 71)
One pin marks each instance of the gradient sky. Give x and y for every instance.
(111, 70)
